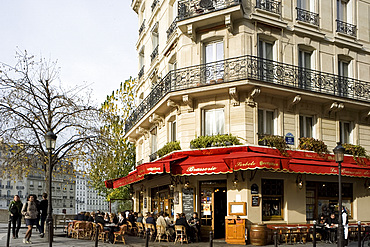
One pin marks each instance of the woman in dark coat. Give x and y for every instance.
(15, 210)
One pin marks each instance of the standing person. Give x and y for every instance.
(345, 225)
(29, 210)
(15, 210)
(38, 227)
(44, 212)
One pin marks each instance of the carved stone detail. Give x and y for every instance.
(294, 101)
(171, 103)
(252, 96)
(233, 92)
(157, 120)
(188, 100)
(142, 131)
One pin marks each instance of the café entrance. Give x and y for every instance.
(213, 207)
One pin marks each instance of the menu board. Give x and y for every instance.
(188, 202)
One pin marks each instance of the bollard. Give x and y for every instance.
(359, 233)
(9, 226)
(210, 239)
(275, 239)
(97, 235)
(314, 234)
(147, 237)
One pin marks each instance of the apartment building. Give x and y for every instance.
(250, 68)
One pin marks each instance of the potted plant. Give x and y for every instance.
(168, 148)
(356, 151)
(275, 141)
(311, 144)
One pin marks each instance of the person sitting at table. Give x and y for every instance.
(181, 220)
(150, 219)
(332, 225)
(139, 218)
(194, 222)
(321, 227)
(91, 217)
(161, 222)
(113, 218)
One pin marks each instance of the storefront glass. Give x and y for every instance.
(272, 198)
(162, 200)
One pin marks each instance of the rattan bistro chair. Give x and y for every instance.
(119, 236)
(140, 229)
(161, 234)
(180, 234)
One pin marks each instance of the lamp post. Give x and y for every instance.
(339, 155)
(50, 140)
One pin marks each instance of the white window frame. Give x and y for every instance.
(172, 130)
(213, 48)
(342, 136)
(304, 127)
(214, 130)
(274, 122)
(154, 140)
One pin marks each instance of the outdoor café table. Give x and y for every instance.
(279, 230)
(332, 233)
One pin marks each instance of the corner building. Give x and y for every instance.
(250, 68)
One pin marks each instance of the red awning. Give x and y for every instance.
(252, 160)
(132, 177)
(201, 165)
(327, 168)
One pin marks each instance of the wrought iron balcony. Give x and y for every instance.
(250, 68)
(172, 28)
(307, 16)
(346, 28)
(141, 72)
(154, 54)
(269, 5)
(142, 27)
(139, 162)
(153, 156)
(191, 8)
(9, 187)
(154, 4)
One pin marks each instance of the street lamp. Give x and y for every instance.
(50, 140)
(339, 155)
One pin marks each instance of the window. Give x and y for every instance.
(214, 56)
(266, 122)
(342, 10)
(266, 51)
(304, 63)
(155, 42)
(342, 87)
(8, 193)
(345, 129)
(172, 126)
(214, 122)
(272, 199)
(306, 126)
(153, 143)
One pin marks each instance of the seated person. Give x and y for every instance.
(80, 216)
(150, 219)
(194, 222)
(321, 227)
(181, 220)
(139, 218)
(161, 222)
(331, 226)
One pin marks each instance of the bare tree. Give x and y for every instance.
(31, 104)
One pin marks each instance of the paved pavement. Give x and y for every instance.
(62, 241)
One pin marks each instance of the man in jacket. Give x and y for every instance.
(15, 209)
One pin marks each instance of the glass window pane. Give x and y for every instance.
(301, 126)
(260, 122)
(309, 125)
(269, 51)
(209, 53)
(219, 51)
(269, 122)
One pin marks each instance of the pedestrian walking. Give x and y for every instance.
(44, 212)
(30, 212)
(15, 210)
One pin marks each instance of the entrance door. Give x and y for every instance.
(213, 207)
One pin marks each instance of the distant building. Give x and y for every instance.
(87, 198)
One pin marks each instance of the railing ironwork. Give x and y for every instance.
(307, 16)
(142, 27)
(172, 28)
(346, 28)
(191, 8)
(139, 162)
(269, 5)
(250, 68)
(153, 156)
(154, 4)
(154, 54)
(141, 72)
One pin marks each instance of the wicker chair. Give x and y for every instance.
(181, 234)
(151, 229)
(103, 235)
(131, 229)
(161, 234)
(119, 236)
(78, 230)
(140, 229)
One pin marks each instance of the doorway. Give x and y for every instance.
(213, 207)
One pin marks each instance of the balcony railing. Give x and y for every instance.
(153, 156)
(307, 16)
(191, 8)
(20, 187)
(154, 4)
(139, 162)
(141, 72)
(269, 5)
(9, 187)
(250, 68)
(346, 28)
(142, 27)
(172, 28)
(154, 54)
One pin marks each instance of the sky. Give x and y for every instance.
(92, 40)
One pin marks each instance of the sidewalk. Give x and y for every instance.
(61, 241)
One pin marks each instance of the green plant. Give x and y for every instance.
(168, 148)
(215, 141)
(356, 151)
(311, 144)
(277, 142)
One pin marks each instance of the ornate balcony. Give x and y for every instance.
(154, 54)
(251, 68)
(154, 4)
(141, 72)
(172, 28)
(191, 8)
(153, 156)
(142, 27)
(346, 28)
(139, 162)
(269, 5)
(307, 16)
